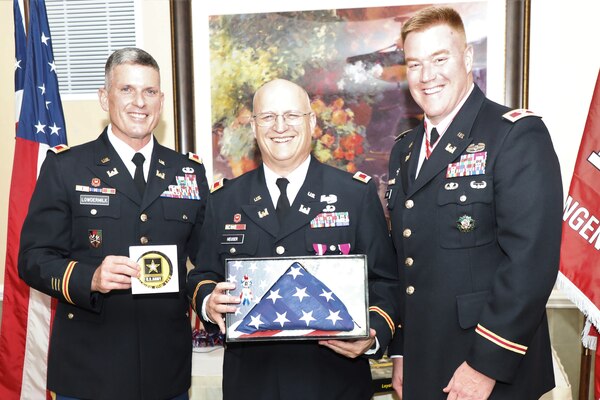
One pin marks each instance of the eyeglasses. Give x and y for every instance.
(291, 118)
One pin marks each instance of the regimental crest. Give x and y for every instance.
(95, 238)
(465, 224)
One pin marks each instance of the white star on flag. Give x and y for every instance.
(281, 319)
(45, 39)
(232, 278)
(54, 129)
(327, 295)
(237, 264)
(40, 127)
(43, 89)
(334, 317)
(274, 295)
(300, 294)
(256, 322)
(295, 272)
(307, 317)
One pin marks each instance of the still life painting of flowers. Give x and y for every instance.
(349, 61)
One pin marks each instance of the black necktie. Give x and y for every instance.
(138, 177)
(430, 142)
(434, 136)
(283, 204)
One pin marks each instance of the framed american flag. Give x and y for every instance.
(287, 298)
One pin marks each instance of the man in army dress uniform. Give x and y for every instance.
(92, 203)
(475, 200)
(328, 369)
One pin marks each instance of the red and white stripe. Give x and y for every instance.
(27, 313)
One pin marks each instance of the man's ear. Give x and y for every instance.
(468, 58)
(313, 121)
(103, 98)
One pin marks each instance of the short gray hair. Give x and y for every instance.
(128, 55)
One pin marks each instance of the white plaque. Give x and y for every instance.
(158, 269)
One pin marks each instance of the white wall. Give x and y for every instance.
(564, 65)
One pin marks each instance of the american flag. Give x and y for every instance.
(297, 301)
(26, 314)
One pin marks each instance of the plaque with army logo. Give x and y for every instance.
(158, 269)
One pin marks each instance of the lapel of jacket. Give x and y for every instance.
(410, 168)
(452, 144)
(259, 207)
(162, 173)
(109, 167)
(307, 203)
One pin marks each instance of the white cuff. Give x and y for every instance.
(373, 350)
(203, 311)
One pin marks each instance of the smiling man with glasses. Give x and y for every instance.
(274, 211)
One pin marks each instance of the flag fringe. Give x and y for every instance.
(585, 305)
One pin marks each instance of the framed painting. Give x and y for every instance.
(350, 61)
(292, 298)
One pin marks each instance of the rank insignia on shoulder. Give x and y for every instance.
(401, 135)
(518, 113)
(217, 185)
(361, 176)
(195, 157)
(59, 148)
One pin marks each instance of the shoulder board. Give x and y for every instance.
(518, 113)
(195, 157)
(217, 185)
(401, 135)
(361, 176)
(59, 148)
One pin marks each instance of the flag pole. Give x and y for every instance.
(584, 373)
(26, 16)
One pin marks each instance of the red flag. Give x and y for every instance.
(579, 275)
(26, 314)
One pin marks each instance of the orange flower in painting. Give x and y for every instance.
(351, 142)
(317, 133)
(339, 140)
(338, 153)
(338, 103)
(339, 117)
(327, 139)
(318, 106)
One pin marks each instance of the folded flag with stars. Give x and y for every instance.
(297, 301)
